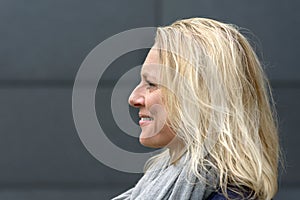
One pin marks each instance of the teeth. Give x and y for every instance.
(146, 119)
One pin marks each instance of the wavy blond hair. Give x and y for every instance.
(219, 103)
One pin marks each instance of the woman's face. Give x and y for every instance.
(148, 98)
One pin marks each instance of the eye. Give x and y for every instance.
(150, 85)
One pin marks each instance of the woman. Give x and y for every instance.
(204, 98)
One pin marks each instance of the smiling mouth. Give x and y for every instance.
(146, 119)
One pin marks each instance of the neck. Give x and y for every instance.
(176, 149)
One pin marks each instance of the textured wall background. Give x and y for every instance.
(42, 46)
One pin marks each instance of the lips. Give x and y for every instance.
(145, 119)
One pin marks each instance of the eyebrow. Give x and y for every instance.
(145, 75)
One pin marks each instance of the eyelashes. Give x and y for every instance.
(150, 85)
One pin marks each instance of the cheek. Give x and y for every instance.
(159, 114)
(153, 96)
(158, 134)
(154, 104)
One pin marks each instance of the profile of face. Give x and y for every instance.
(147, 96)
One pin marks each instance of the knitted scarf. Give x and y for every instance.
(164, 181)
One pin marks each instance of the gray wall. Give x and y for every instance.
(43, 43)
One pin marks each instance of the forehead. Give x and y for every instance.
(152, 57)
(151, 63)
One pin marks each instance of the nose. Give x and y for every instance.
(136, 98)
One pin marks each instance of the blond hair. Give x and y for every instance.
(219, 103)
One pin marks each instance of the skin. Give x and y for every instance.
(148, 98)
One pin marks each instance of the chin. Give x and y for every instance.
(150, 142)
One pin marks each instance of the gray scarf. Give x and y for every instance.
(165, 181)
